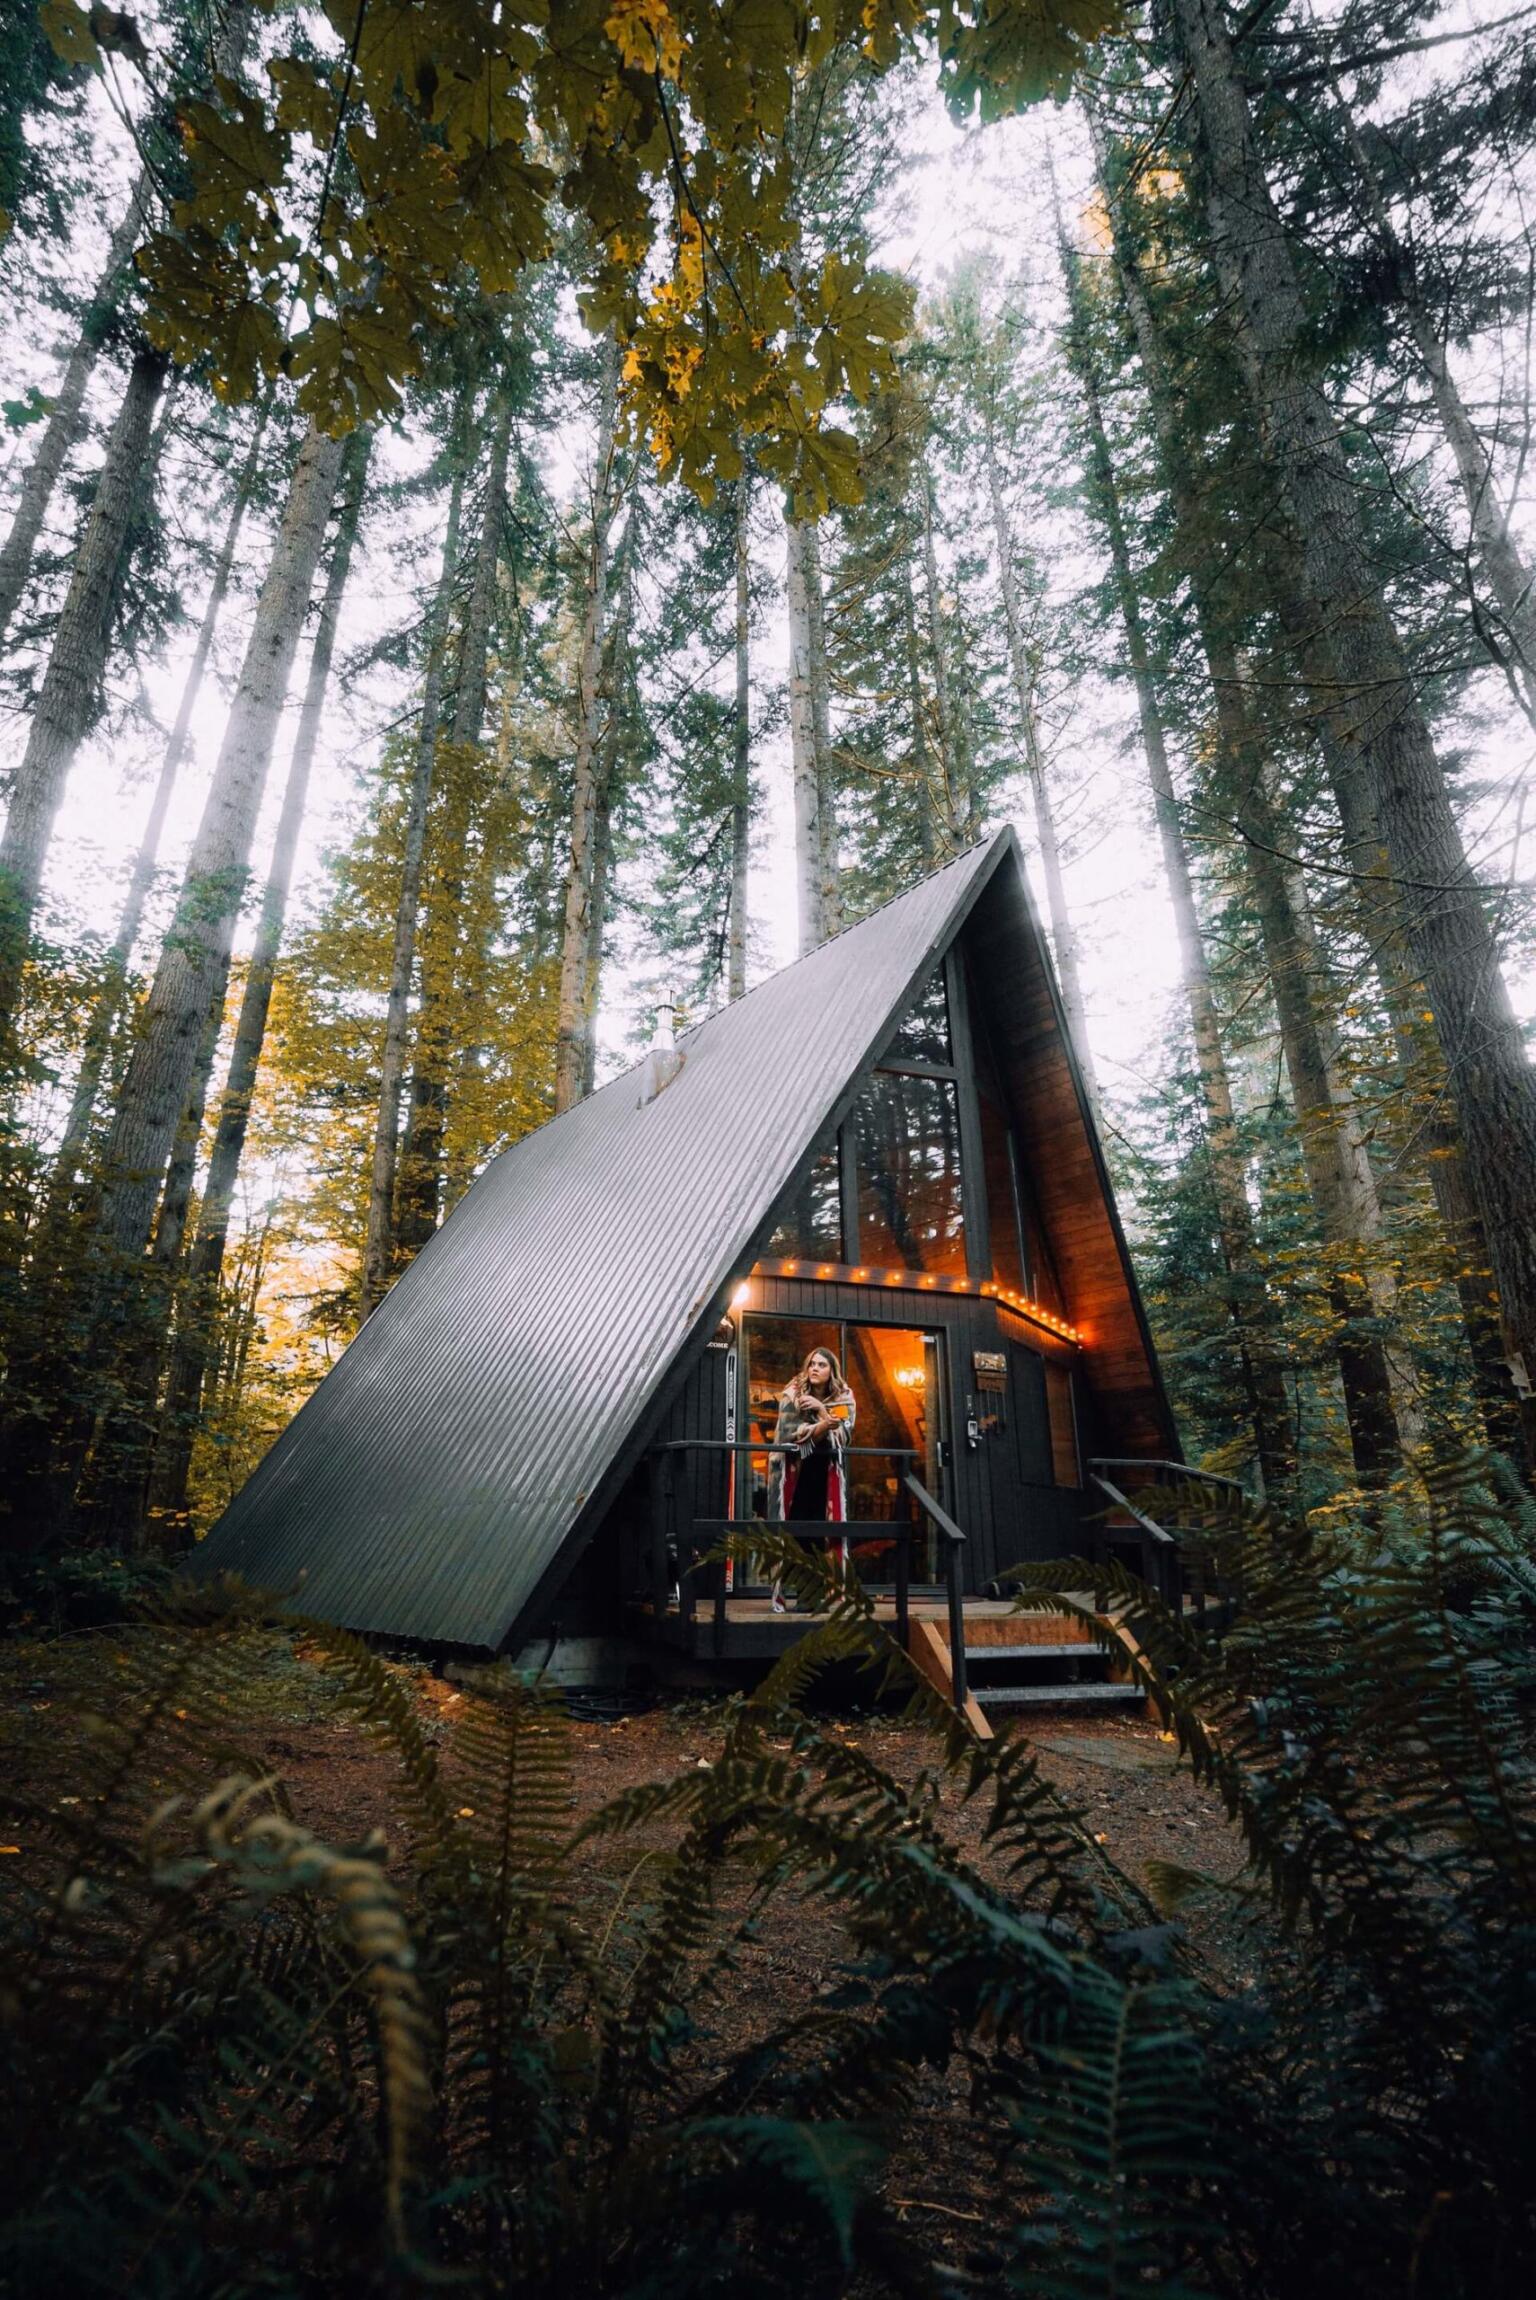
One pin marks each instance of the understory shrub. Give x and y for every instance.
(242, 2060)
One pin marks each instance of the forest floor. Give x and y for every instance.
(1118, 1773)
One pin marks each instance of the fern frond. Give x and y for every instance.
(381, 1703)
(270, 1855)
(1116, 2133)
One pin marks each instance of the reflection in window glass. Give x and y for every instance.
(909, 1174)
(812, 1227)
(1008, 1263)
(923, 1035)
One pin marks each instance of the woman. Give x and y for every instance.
(816, 1417)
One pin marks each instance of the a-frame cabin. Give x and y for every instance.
(886, 1148)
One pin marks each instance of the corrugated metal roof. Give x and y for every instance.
(429, 1485)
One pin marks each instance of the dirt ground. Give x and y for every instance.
(1119, 1773)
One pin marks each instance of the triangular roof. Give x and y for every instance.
(440, 1479)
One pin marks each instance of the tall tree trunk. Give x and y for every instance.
(107, 1005)
(741, 758)
(1339, 1178)
(918, 703)
(1378, 906)
(821, 723)
(379, 1241)
(1379, 1405)
(514, 834)
(125, 1300)
(111, 1497)
(69, 701)
(175, 1205)
(1508, 576)
(1451, 936)
(957, 799)
(419, 1189)
(194, 964)
(575, 943)
(1063, 932)
(605, 794)
(66, 414)
(810, 847)
(197, 1311)
(1262, 1377)
(1378, 903)
(597, 916)
(228, 37)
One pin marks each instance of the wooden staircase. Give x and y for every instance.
(1021, 1662)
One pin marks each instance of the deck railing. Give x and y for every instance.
(1163, 1562)
(702, 1535)
(954, 1542)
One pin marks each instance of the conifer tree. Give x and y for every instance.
(1488, 1072)
(462, 778)
(379, 1244)
(204, 45)
(197, 1306)
(1251, 1313)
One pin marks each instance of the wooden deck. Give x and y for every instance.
(1013, 1660)
(752, 1631)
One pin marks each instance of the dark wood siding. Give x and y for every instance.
(699, 1411)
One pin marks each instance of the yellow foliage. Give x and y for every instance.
(690, 258)
(646, 36)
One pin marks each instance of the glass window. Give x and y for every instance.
(1058, 1399)
(1009, 1267)
(923, 1033)
(908, 1137)
(895, 1374)
(812, 1226)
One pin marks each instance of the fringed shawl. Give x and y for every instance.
(798, 1407)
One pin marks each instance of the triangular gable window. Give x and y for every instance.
(923, 1034)
(907, 1171)
(924, 1171)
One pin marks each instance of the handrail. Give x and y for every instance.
(1173, 1540)
(954, 1542)
(704, 1532)
(1123, 1501)
(1173, 1468)
(854, 1533)
(858, 1532)
(936, 1510)
(777, 1445)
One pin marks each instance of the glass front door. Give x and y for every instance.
(896, 1376)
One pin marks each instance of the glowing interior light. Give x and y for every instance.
(742, 1295)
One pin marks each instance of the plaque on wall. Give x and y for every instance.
(990, 1368)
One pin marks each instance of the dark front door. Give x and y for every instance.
(1035, 1504)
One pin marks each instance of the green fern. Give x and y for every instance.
(252, 2062)
(1117, 2140)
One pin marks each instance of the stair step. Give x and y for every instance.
(1081, 1649)
(1040, 1696)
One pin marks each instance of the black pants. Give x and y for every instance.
(812, 1480)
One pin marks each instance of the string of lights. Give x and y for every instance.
(924, 1281)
